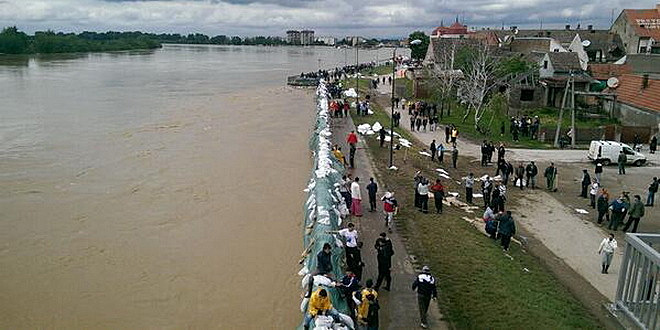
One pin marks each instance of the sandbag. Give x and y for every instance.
(303, 305)
(347, 321)
(322, 280)
(323, 322)
(305, 281)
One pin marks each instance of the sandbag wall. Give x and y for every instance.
(324, 205)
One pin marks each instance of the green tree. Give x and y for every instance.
(13, 41)
(419, 51)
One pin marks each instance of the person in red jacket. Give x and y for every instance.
(352, 138)
(352, 141)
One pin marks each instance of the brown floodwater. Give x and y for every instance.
(154, 189)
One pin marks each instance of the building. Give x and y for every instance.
(638, 100)
(456, 30)
(555, 69)
(354, 40)
(307, 37)
(329, 41)
(293, 37)
(639, 30)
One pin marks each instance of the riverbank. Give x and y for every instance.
(472, 270)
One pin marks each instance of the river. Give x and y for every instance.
(158, 189)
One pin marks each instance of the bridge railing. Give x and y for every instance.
(638, 290)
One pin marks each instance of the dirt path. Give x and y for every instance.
(398, 306)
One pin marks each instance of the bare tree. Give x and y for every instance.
(477, 82)
(444, 74)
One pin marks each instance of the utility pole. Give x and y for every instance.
(392, 114)
(561, 113)
(574, 132)
(357, 77)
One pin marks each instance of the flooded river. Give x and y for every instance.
(155, 189)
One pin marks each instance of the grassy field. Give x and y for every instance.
(379, 70)
(480, 287)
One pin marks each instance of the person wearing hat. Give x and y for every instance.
(426, 290)
(390, 207)
(586, 181)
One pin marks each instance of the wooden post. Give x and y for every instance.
(561, 114)
(573, 136)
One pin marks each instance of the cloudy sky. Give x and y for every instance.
(374, 18)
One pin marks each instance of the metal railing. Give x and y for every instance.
(638, 292)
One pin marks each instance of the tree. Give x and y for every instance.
(13, 41)
(476, 83)
(418, 52)
(443, 73)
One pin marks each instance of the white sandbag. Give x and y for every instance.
(303, 305)
(370, 132)
(322, 280)
(441, 171)
(323, 321)
(346, 320)
(339, 327)
(377, 127)
(305, 281)
(425, 153)
(350, 93)
(303, 271)
(582, 211)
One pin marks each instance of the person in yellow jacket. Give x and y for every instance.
(339, 155)
(320, 304)
(363, 307)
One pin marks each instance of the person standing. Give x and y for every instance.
(619, 210)
(622, 162)
(635, 214)
(381, 135)
(606, 250)
(423, 191)
(447, 133)
(653, 145)
(390, 207)
(500, 152)
(508, 170)
(438, 191)
(484, 153)
(426, 290)
(550, 176)
(602, 206)
(469, 186)
(531, 171)
(345, 190)
(356, 198)
(593, 191)
(486, 189)
(433, 150)
(370, 322)
(491, 150)
(350, 235)
(454, 135)
(385, 251)
(598, 172)
(520, 173)
(454, 156)
(653, 188)
(441, 153)
(586, 181)
(352, 142)
(372, 189)
(506, 229)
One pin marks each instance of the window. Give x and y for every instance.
(527, 95)
(545, 65)
(628, 151)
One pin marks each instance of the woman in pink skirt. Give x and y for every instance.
(356, 198)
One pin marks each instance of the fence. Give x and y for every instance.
(324, 205)
(638, 290)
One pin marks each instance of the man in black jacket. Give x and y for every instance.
(586, 181)
(426, 290)
(385, 252)
(531, 171)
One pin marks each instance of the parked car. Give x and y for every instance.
(607, 152)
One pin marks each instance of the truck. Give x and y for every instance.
(607, 152)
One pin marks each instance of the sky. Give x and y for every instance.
(339, 18)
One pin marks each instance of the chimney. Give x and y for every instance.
(590, 27)
(568, 27)
(645, 81)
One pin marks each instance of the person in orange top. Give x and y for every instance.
(352, 138)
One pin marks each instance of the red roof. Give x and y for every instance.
(645, 21)
(604, 71)
(455, 28)
(630, 91)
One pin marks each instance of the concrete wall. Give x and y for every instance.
(516, 105)
(631, 116)
(627, 33)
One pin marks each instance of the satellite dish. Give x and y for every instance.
(515, 31)
(586, 43)
(613, 82)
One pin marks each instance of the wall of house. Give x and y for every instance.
(546, 73)
(627, 34)
(516, 105)
(631, 116)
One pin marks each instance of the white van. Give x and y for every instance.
(607, 152)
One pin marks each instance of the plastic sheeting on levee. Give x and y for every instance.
(324, 204)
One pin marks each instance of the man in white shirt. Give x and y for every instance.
(350, 235)
(606, 249)
(356, 198)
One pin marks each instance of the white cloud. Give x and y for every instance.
(273, 17)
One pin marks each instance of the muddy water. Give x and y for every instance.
(154, 190)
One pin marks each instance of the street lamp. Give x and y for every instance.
(414, 42)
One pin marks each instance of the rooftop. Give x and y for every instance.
(631, 91)
(645, 21)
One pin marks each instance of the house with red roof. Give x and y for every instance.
(637, 100)
(456, 30)
(639, 30)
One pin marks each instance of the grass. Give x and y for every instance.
(480, 287)
(379, 70)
